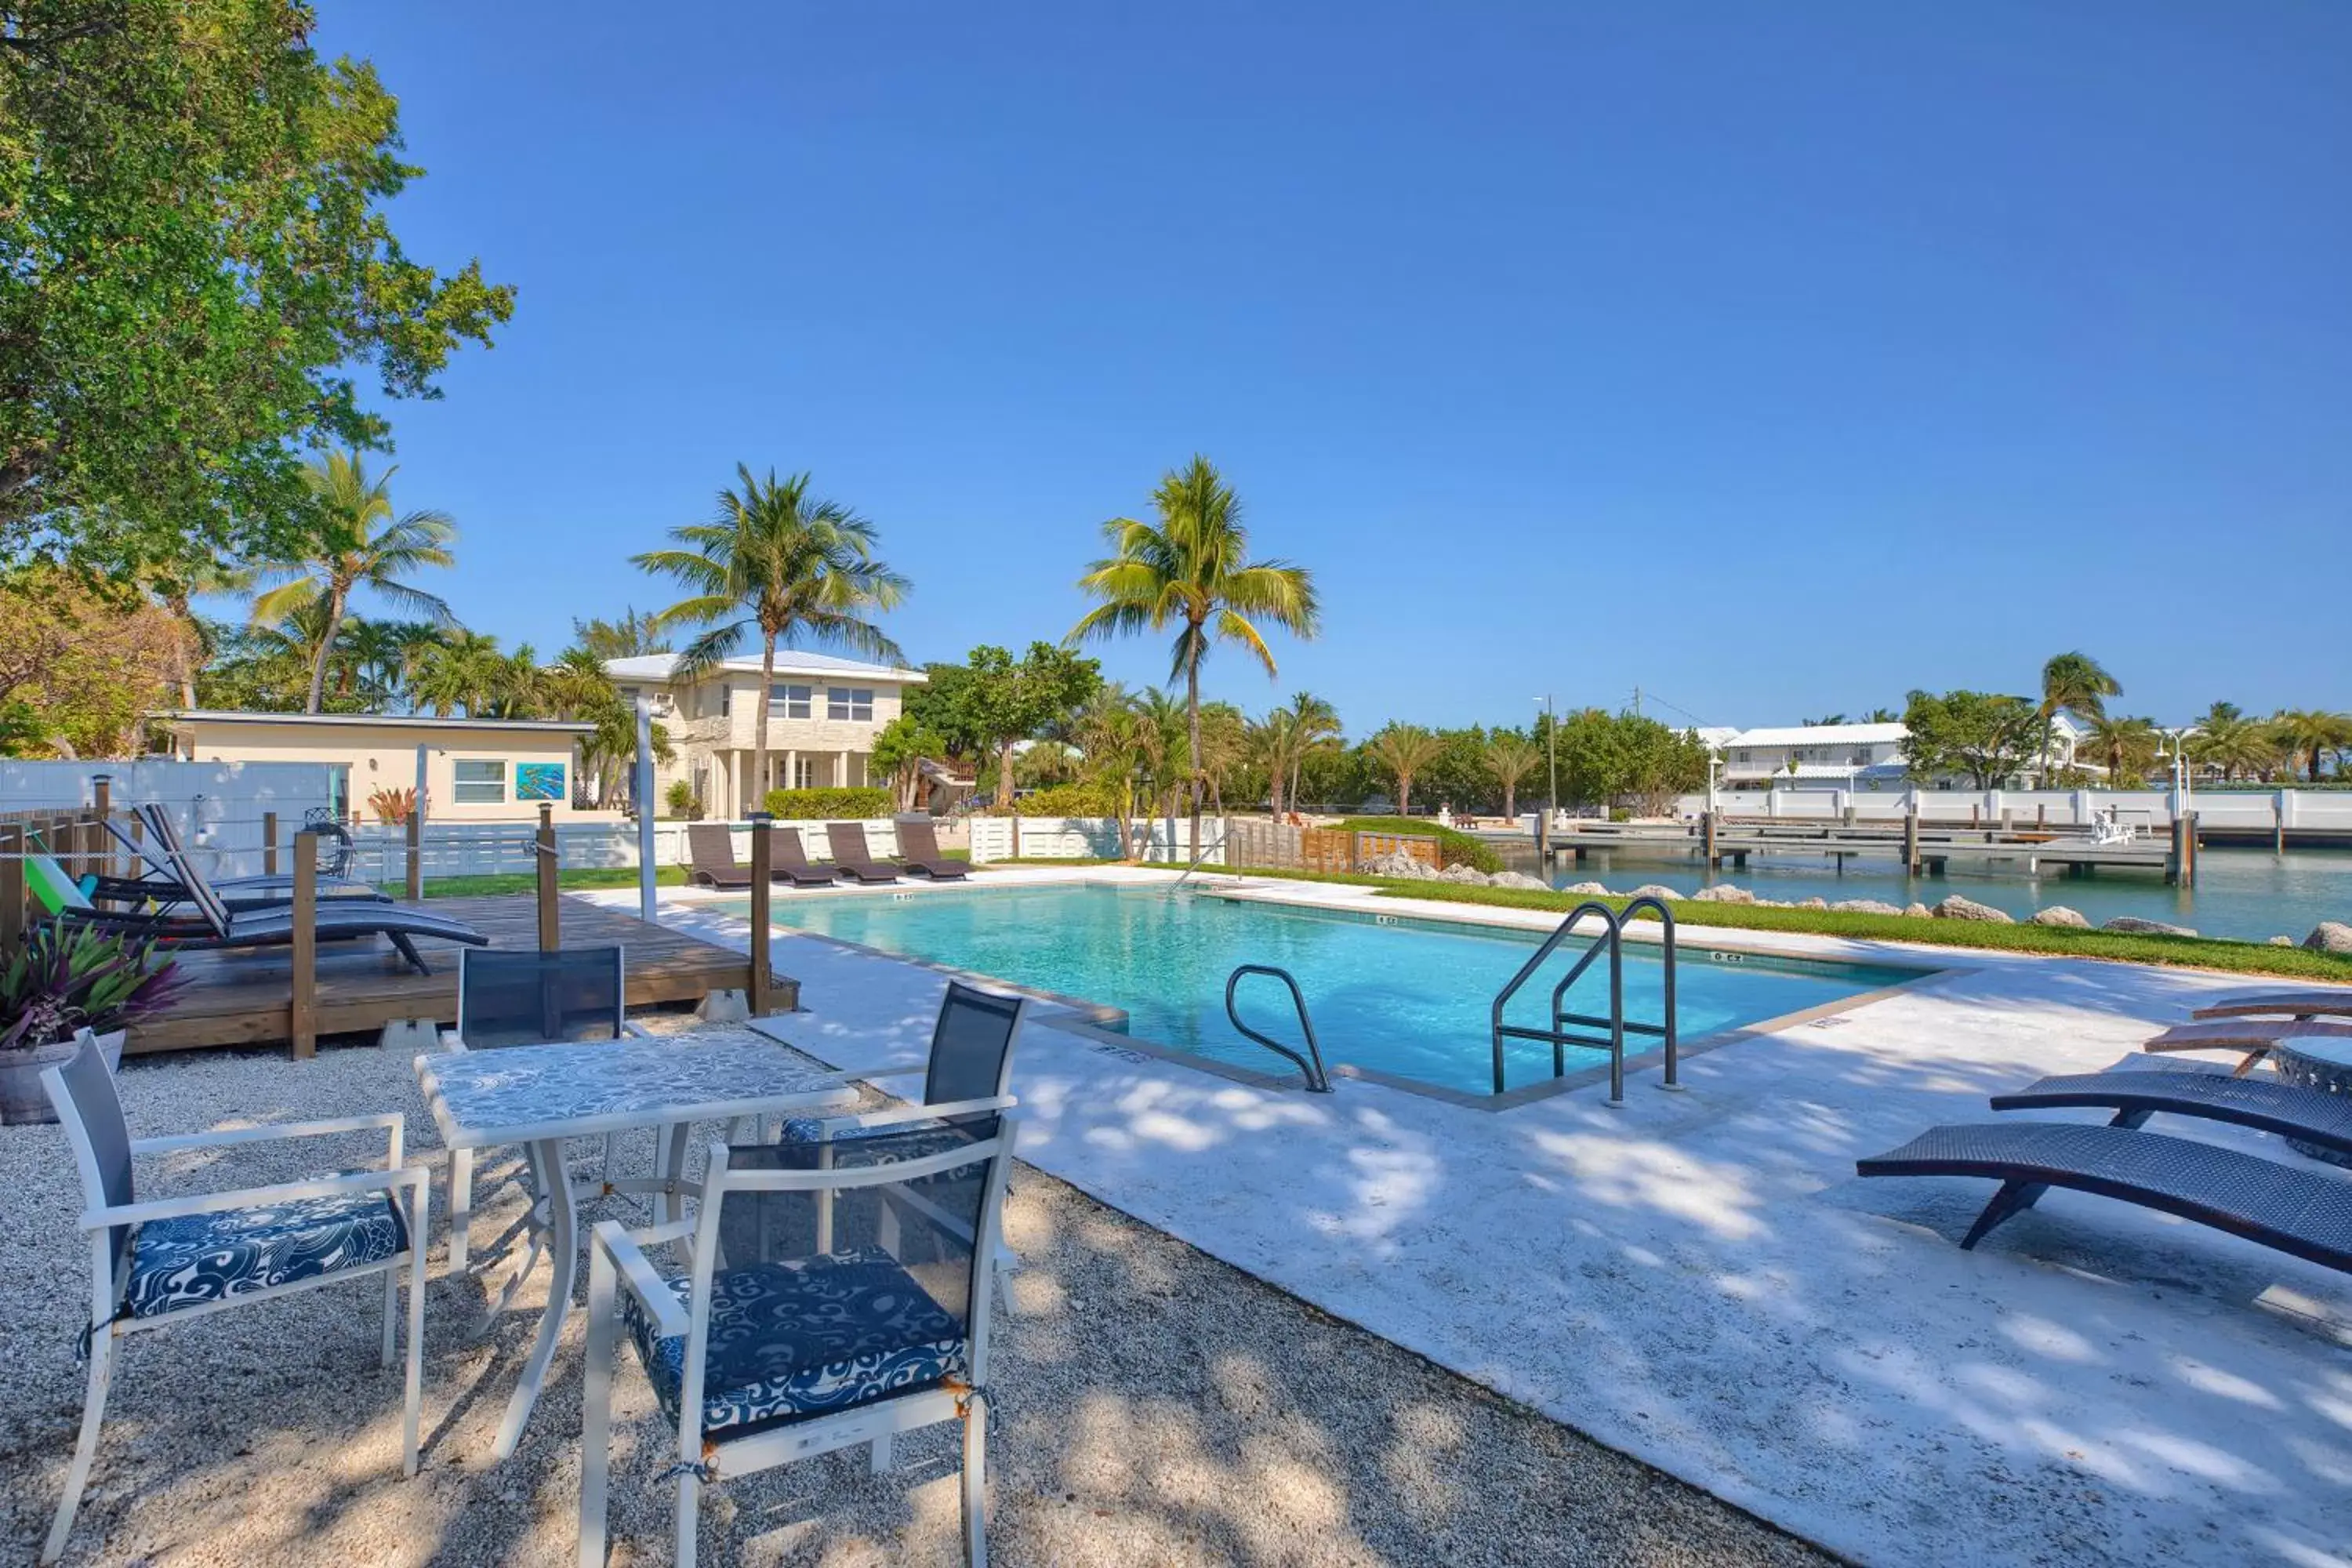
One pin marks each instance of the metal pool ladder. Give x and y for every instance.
(1576, 1028)
(1310, 1065)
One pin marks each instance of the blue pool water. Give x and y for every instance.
(1409, 998)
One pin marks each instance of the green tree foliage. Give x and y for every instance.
(778, 563)
(353, 540)
(2073, 683)
(1402, 752)
(79, 669)
(1191, 569)
(1511, 757)
(194, 262)
(899, 751)
(630, 634)
(1988, 737)
(2126, 748)
(2310, 735)
(999, 702)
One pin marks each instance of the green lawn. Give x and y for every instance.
(2179, 952)
(524, 882)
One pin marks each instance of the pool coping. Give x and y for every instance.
(1092, 1021)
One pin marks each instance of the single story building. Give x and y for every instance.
(475, 769)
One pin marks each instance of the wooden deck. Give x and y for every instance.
(246, 998)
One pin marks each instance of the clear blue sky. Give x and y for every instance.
(1775, 358)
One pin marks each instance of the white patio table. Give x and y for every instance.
(540, 1096)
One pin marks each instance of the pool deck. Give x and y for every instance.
(1701, 1280)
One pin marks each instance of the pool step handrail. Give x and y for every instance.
(1310, 1065)
(1578, 1028)
(1200, 852)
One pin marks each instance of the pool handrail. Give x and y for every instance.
(1310, 1065)
(1608, 940)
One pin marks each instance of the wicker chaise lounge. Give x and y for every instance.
(918, 851)
(792, 862)
(710, 850)
(2283, 1004)
(853, 856)
(2292, 1210)
(2254, 1037)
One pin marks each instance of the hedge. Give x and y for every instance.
(1092, 798)
(822, 805)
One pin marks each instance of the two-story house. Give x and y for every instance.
(822, 715)
(1853, 756)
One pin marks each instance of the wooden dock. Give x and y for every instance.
(1933, 850)
(246, 998)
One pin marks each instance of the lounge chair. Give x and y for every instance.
(711, 847)
(2295, 1211)
(761, 1350)
(791, 861)
(158, 888)
(852, 855)
(2309, 1115)
(2291, 1003)
(2254, 1037)
(918, 851)
(217, 926)
(167, 1261)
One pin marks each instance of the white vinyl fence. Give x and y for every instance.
(217, 806)
(494, 849)
(1091, 837)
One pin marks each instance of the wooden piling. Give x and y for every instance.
(550, 919)
(101, 843)
(2176, 859)
(762, 855)
(416, 851)
(12, 888)
(1707, 829)
(302, 1028)
(2278, 824)
(269, 844)
(2190, 842)
(1911, 839)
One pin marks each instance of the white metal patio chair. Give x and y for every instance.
(166, 1260)
(524, 997)
(820, 1308)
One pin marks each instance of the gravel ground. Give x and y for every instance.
(1153, 1406)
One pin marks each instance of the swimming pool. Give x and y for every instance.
(1395, 995)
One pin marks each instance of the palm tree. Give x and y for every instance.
(1319, 735)
(1275, 740)
(1510, 757)
(1163, 744)
(360, 544)
(1192, 567)
(1402, 750)
(2078, 683)
(2127, 746)
(175, 590)
(2308, 734)
(776, 561)
(459, 672)
(1109, 735)
(628, 636)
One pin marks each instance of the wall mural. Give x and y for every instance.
(539, 781)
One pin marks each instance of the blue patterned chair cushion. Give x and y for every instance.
(194, 1260)
(905, 1140)
(809, 1337)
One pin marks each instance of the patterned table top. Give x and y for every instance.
(520, 1093)
(2332, 1051)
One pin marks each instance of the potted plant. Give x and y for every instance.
(63, 979)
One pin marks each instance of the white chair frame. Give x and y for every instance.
(617, 1260)
(406, 1187)
(461, 1161)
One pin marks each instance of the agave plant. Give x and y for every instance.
(72, 976)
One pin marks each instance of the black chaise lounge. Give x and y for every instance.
(2288, 1003)
(217, 926)
(711, 846)
(2292, 1210)
(918, 851)
(160, 887)
(852, 855)
(2252, 1036)
(792, 862)
(2310, 1115)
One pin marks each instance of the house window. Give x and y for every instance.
(481, 780)
(789, 702)
(726, 700)
(846, 703)
(803, 772)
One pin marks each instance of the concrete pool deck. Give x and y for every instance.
(1701, 1280)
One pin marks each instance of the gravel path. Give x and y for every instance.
(1154, 1406)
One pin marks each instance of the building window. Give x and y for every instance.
(846, 703)
(481, 780)
(803, 772)
(726, 700)
(789, 702)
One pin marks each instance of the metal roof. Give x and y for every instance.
(789, 661)
(368, 721)
(1823, 735)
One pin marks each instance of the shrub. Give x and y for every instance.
(1096, 797)
(682, 801)
(1453, 848)
(394, 807)
(820, 805)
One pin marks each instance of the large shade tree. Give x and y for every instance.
(198, 268)
(781, 565)
(1190, 568)
(353, 541)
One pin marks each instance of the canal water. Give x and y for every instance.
(2251, 894)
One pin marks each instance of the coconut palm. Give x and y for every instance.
(2126, 747)
(1163, 744)
(1274, 740)
(2078, 684)
(1403, 752)
(776, 562)
(1192, 568)
(1510, 757)
(175, 590)
(2230, 742)
(1109, 736)
(2308, 734)
(359, 543)
(1319, 735)
(458, 673)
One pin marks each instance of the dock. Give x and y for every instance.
(1935, 850)
(246, 998)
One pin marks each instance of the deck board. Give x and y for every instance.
(246, 998)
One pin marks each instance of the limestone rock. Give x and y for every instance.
(2282, 941)
(1586, 889)
(1723, 893)
(1653, 890)
(2330, 936)
(1400, 866)
(1916, 911)
(2060, 915)
(2132, 925)
(1864, 907)
(1517, 879)
(1468, 876)
(1813, 903)
(1957, 908)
